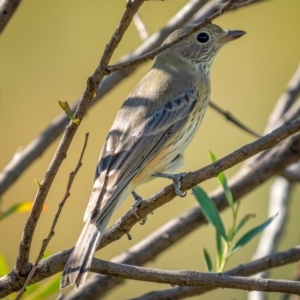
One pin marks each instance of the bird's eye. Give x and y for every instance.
(202, 37)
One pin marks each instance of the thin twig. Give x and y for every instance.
(92, 84)
(233, 119)
(60, 207)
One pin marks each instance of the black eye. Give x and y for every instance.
(202, 37)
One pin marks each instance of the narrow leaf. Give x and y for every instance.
(210, 210)
(223, 181)
(230, 234)
(244, 221)
(67, 109)
(220, 250)
(19, 207)
(208, 261)
(251, 234)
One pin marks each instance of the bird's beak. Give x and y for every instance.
(231, 35)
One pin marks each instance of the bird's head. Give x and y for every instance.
(203, 45)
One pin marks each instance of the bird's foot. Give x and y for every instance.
(137, 201)
(176, 181)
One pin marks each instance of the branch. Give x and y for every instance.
(22, 263)
(192, 278)
(272, 261)
(7, 10)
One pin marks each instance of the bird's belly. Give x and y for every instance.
(169, 158)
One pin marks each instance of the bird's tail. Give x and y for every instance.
(80, 260)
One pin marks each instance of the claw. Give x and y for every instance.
(137, 201)
(176, 181)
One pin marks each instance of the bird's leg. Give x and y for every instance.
(137, 201)
(176, 181)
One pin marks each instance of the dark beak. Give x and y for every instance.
(231, 35)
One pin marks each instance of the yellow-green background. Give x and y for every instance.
(48, 51)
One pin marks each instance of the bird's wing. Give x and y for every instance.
(124, 155)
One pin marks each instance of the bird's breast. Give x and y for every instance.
(169, 157)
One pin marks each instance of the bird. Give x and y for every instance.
(149, 135)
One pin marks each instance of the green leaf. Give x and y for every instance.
(210, 210)
(223, 181)
(67, 109)
(251, 234)
(4, 270)
(244, 221)
(209, 265)
(220, 250)
(19, 207)
(230, 234)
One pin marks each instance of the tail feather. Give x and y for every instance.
(80, 260)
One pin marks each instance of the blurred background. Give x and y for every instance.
(47, 52)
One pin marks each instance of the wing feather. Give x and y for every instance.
(124, 154)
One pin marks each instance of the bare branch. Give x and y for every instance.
(7, 10)
(271, 261)
(21, 267)
(192, 278)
